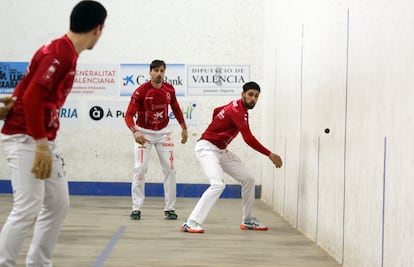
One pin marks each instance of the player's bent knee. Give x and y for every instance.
(219, 187)
(248, 180)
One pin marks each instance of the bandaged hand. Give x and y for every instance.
(139, 138)
(42, 164)
(8, 102)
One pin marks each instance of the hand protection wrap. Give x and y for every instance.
(42, 164)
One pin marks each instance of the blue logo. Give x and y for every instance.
(128, 79)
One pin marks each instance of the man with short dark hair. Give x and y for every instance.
(215, 159)
(150, 103)
(40, 189)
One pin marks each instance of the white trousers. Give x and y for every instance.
(39, 203)
(215, 162)
(164, 146)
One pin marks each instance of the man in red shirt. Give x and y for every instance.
(40, 190)
(150, 103)
(215, 159)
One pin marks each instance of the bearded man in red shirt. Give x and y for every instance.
(150, 102)
(215, 159)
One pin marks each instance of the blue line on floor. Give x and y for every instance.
(108, 249)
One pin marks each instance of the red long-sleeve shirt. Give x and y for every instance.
(151, 105)
(227, 122)
(43, 91)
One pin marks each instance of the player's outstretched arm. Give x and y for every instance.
(276, 160)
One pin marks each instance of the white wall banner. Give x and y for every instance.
(69, 113)
(111, 113)
(133, 75)
(216, 79)
(96, 79)
(191, 112)
(106, 113)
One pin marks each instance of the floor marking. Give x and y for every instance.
(108, 249)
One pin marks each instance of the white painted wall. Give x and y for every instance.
(188, 32)
(347, 66)
(331, 186)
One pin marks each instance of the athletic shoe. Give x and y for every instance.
(170, 215)
(252, 224)
(191, 226)
(135, 215)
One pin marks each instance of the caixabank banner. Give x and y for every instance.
(133, 75)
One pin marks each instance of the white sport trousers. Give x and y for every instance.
(164, 146)
(42, 203)
(215, 162)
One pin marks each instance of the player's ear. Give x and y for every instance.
(98, 30)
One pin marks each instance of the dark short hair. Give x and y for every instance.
(251, 85)
(156, 64)
(86, 15)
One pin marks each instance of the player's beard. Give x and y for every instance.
(158, 80)
(248, 105)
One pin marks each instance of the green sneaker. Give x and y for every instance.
(170, 215)
(135, 215)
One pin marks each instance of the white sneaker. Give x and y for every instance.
(191, 226)
(252, 224)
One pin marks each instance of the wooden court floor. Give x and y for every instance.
(98, 232)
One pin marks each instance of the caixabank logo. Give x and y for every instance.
(134, 75)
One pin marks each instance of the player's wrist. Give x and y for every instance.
(137, 135)
(134, 129)
(183, 126)
(42, 142)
